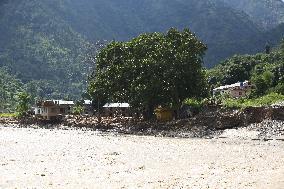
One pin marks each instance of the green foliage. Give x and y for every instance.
(7, 115)
(23, 104)
(213, 21)
(266, 71)
(266, 100)
(78, 109)
(282, 46)
(280, 88)
(39, 47)
(195, 103)
(45, 43)
(263, 82)
(49, 38)
(266, 13)
(9, 87)
(261, 85)
(150, 70)
(268, 77)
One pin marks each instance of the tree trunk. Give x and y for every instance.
(148, 113)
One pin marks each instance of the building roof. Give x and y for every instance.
(116, 105)
(238, 84)
(87, 102)
(63, 102)
(48, 103)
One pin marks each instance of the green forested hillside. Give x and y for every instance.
(267, 13)
(44, 42)
(40, 48)
(265, 70)
(223, 29)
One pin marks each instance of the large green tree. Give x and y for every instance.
(150, 70)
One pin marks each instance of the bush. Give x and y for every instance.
(194, 103)
(7, 115)
(256, 102)
(279, 88)
(23, 104)
(78, 110)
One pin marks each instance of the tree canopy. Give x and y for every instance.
(9, 88)
(266, 71)
(150, 70)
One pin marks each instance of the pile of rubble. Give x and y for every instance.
(279, 104)
(8, 121)
(208, 123)
(268, 129)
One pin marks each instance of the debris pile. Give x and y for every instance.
(209, 123)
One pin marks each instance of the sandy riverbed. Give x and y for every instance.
(43, 158)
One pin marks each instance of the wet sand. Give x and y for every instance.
(43, 158)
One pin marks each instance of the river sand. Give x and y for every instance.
(56, 158)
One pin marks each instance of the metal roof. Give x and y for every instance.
(238, 84)
(63, 102)
(116, 105)
(69, 102)
(87, 102)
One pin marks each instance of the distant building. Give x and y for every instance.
(65, 107)
(88, 107)
(117, 109)
(52, 109)
(236, 90)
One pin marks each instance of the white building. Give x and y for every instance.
(236, 90)
(117, 109)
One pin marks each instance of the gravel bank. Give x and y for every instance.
(266, 130)
(57, 158)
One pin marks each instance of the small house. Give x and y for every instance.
(236, 90)
(52, 109)
(117, 109)
(65, 106)
(88, 107)
(47, 110)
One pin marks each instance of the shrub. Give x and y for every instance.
(22, 104)
(256, 102)
(194, 103)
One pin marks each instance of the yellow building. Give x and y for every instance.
(164, 114)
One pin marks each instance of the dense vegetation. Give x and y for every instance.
(224, 29)
(41, 49)
(266, 71)
(45, 44)
(266, 100)
(266, 13)
(9, 88)
(151, 70)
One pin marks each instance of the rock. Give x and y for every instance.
(277, 113)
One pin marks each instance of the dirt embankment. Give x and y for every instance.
(209, 122)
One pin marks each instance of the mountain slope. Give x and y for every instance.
(266, 13)
(44, 42)
(36, 45)
(225, 30)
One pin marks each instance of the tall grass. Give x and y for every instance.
(7, 115)
(266, 100)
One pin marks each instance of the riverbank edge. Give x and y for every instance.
(209, 123)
